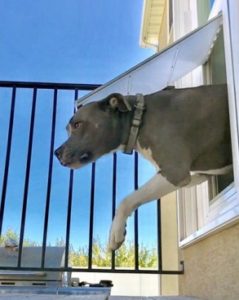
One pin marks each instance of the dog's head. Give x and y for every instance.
(94, 130)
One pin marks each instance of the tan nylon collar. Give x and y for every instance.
(135, 125)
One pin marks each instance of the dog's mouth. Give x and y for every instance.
(77, 161)
(85, 157)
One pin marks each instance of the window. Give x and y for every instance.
(211, 205)
(215, 73)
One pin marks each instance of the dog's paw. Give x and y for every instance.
(117, 233)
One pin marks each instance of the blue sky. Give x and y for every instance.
(69, 40)
(79, 41)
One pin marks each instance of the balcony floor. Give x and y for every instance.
(87, 297)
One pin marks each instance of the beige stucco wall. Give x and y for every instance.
(169, 238)
(212, 267)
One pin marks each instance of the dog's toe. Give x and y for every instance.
(115, 241)
(114, 245)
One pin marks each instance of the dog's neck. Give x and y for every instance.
(132, 122)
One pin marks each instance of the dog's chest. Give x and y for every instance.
(147, 154)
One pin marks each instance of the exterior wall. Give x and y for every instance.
(212, 267)
(211, 264)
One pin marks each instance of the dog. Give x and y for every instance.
(185, 133)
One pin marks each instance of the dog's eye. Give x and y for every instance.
(77, 125)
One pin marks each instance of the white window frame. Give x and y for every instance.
(197, 217)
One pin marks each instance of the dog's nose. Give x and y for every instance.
(58, 152)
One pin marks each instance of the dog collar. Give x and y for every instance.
(135, 125)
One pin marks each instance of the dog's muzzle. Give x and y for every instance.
(58, 153)
(67, 159)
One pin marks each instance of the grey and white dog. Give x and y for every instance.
(183, 132)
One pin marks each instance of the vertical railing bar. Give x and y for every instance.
(7, 159)
(68, 224)
(114, 201)
(159, 235)
(27, 176)
(48, 195)
(92, 200)
(69, 208)
(136, 222)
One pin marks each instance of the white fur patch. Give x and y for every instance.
(120, 148)
(221, 171)
(147, 154)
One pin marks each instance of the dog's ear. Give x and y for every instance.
(116, 102)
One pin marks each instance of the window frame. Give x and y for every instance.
(197, 217)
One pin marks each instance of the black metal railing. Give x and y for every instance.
(76, 89)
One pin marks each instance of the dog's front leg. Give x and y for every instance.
(155, 188)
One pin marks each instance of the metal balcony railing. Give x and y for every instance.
(13, 89)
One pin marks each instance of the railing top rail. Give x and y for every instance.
(49, 85)
(95, 270)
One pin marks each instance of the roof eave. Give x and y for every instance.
(149, 33)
